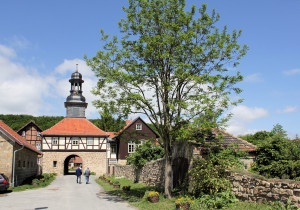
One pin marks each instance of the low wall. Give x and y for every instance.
(151, 174)
(253, 189)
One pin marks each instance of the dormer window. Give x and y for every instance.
(138, 127)
(23, 133)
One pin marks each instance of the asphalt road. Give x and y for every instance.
(64, 194)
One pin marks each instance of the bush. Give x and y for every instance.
(208, 177)
(217, 201)
(93, 173)
(145, 153)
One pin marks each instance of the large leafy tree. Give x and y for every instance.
(172, 65)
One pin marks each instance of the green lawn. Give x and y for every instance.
(136, 198)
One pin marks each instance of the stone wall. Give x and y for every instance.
(94, 160)
(26, 164)
(151, 174)
(259, 190)
(6, 156)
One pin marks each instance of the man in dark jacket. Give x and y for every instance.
(78, 174)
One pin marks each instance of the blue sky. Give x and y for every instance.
(41, 41)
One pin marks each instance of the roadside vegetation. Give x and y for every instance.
(137, 196)
(35, 182)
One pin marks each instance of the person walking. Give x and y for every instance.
(87, 174)
(78, 173)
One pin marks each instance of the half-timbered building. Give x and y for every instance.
(124, 142)
(74, 136)
(31, 132)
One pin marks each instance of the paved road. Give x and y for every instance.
(64, 194)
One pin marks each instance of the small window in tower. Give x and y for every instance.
(54, 164)
(24, 163)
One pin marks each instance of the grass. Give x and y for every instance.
(136, 197)
(49, 178)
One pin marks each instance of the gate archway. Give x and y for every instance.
(71, 163)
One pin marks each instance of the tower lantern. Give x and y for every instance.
(75, 103)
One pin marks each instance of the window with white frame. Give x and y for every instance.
(90, 141)
(23, 133)
(138, 127)
(132, 145)
(55, 140)
(75, 141)
(38, 133)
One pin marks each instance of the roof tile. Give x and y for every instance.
(75, 126)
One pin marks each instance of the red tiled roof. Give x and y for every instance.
(16, 137)
(111, 134)
(75, 126)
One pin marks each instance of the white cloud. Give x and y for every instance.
(69, 66)
(292, 72)
(21, 88)
(253, 78)
(288, 109)
(243, 115)
(7, 52)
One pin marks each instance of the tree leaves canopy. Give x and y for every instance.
(170, 64)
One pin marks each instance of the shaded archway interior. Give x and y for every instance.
(71, 163)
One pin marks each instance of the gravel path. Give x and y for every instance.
(64, 194)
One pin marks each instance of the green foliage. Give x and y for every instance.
(172, 65)
(93, 173)
(18, 121)
(145, 153)
(107, 122)
(208, 177)
(217, 201)
(278, 156)
(42, 181)
(231, 156)
(257, 138)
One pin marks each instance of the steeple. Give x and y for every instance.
(75, 103)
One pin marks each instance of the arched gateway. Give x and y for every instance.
(74, 135)
(72, 162)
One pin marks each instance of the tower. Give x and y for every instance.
(75, 103)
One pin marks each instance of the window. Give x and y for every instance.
(54, 164)
(38, 146)
(138, 127)
(23, 133)
(19, 163)
(38, 133)
(75, 141)
(24, 163)
(55, 140)
(90, 141)
(113, 148)
(133, 145)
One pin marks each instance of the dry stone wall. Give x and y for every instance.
(249, 188)
(151, 174)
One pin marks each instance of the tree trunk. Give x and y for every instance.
(168, 176)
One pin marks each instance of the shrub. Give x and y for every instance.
(217, 201)
(208, 177)
(145, 153)
(93, 173)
